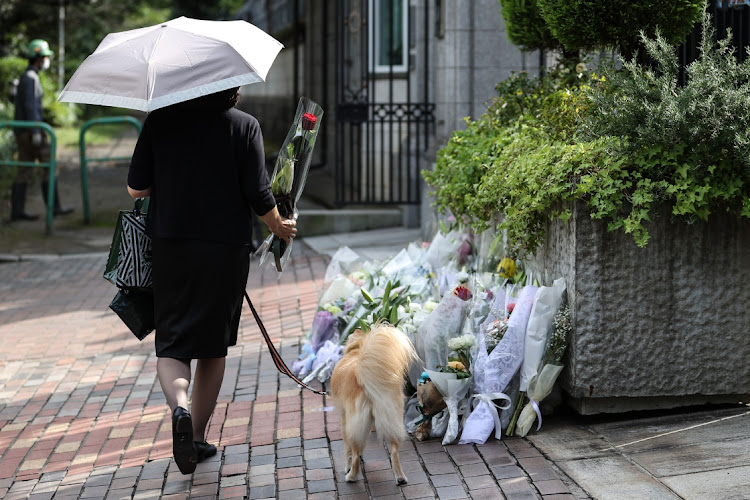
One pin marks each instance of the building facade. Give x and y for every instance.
(395, 78)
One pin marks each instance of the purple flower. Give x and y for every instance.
(325, 327)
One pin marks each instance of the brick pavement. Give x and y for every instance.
(82, 414)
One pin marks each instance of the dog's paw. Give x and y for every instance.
(350, 478)
(401, 481)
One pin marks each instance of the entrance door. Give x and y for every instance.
(383, 115)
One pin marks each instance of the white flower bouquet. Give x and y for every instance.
(454, 390)
(541, 384)
(495, 373)
(546, 304)
(440, 326)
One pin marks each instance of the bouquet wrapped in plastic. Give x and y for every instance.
(324, 361)
(538, 331)
(487, 287)
(541, 323)
(495, 373)
(443, 248)
(541, 384)
(325, 327)
(290, 174)
(484, 416)
(440, 326)
(454, 390)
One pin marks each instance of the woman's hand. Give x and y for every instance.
(283, 228)
(287, 230)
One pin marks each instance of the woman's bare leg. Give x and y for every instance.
(209, 373)
(174, 377)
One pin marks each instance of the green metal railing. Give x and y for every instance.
(51, 164)
(85, 161)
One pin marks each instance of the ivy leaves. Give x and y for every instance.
(622, 143)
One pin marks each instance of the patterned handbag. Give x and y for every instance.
(129, 262)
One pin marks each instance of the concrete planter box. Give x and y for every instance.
(657, 327)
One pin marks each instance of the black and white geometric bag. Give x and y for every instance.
(134, 262)
(129, 263)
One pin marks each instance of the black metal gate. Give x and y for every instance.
(383, 115)
(727, 15)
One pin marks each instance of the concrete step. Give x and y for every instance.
(318, 221)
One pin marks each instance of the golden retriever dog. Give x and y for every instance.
(367, 388)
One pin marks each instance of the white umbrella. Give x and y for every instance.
(150, 68)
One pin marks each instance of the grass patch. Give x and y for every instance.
(68, 137)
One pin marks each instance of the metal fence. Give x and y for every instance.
(728, 15)
(383, 114)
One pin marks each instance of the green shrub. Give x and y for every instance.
(593, 24)
(525, 27)
(695, 138)
(468, 154)
(623, 144)
(503, 162)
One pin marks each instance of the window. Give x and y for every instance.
(388, 36)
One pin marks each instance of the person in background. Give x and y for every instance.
(201, 162)
(33, 144)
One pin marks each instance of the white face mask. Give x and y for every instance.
(45, 64)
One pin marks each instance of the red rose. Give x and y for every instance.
(462, 293)
(308, 121)
(511, 307)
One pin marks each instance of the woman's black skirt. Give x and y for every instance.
(198, 290)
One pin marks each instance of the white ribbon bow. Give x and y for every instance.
(488, 398)
(535, 405)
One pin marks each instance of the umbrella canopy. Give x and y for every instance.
(150, 68)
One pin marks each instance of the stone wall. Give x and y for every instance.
(467, 61)
(656, 327)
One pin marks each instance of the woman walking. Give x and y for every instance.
(202, 164)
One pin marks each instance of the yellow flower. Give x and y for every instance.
(507, 268)
(456, 365)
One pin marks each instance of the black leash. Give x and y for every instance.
(277, 360)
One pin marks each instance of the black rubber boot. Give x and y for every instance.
(59, 209)
(18, 203)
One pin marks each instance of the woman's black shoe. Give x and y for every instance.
(183, 448)
(205, 450)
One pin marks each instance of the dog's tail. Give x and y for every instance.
(385, 356)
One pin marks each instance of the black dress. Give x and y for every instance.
(198, 290)
(206, 170)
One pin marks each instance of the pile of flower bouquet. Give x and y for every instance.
(486, 332)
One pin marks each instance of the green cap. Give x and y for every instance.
(38, 48)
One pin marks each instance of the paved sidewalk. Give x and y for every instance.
(82, 414)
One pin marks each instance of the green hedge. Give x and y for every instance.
(622, 142)
(525, 27)
(594, 24)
